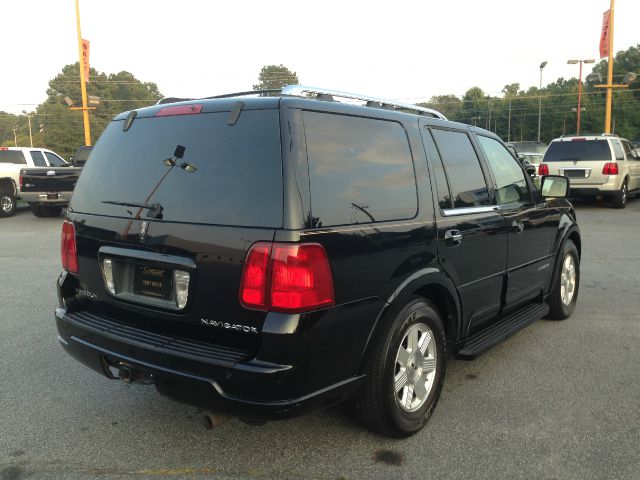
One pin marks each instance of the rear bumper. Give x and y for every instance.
(218, 379)
(48, 198)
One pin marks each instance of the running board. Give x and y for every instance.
(496, 333)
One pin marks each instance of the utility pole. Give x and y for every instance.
(542, 65)
(29, 120)
(509, 122)
(15, 136)
(83, 86)
(573, 62)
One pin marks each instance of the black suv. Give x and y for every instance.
(263, 256)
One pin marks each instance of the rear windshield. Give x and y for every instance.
(578, 150)
(12, 156)
(237, 178)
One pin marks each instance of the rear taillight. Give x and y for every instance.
(21, 181)
(543, 169)
(610, 169)
(287, 277)
(68, 249)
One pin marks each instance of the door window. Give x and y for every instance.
(38, 158)
(54, 160)
(462, 168)
(510, 181)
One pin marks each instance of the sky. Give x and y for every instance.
(402, 50)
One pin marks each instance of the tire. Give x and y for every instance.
(564, 286)
(620, 199)
(8, 204)
(51, 210)
(395, 358)
(37, 210)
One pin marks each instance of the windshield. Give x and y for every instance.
(578, 150)
(216, 181)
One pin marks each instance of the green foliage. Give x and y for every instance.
(274, 77)
(62, 128)
(559, 101)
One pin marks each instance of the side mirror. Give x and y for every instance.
(530, 169)
(554, 186)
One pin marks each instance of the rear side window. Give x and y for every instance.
(237, 178)
(617, 149)
(12, 156)
(462, 167)
(360, 170)
(510, 182)
(578, 150)
(38, 158)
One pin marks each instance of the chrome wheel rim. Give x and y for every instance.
(624, 193)
(568, 279)
(6, 204)
(415, 367)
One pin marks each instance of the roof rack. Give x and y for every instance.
(324, 94)
(569, 135)
(327, 94)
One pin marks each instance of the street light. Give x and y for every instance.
(573, 62)
(542, 65)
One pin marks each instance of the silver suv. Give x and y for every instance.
(604, 165)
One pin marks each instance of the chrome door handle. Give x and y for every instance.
(517, 226)
(453, 237)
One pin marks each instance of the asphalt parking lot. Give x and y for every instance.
(559, 400)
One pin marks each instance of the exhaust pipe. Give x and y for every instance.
(129, 374)
(212, 420)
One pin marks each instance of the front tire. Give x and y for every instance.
(8, 204)
(564, 295)
(405, 371)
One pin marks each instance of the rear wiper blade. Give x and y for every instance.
(155, 209)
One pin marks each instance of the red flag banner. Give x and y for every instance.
(85, 59)
(604, 36)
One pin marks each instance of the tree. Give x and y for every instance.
(274, 77)
(63, 128)
(449, 105)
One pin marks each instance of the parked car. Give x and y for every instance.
(598, 165)
(37, 176)
(266, 256)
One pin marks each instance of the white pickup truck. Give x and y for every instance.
(16, 162)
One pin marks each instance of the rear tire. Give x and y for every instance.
(405, 369)
(51, 210)
(37, 210)
(620, 199)
(8, 204)
(564, 295)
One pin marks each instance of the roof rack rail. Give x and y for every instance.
(300, 90)
(323, 94)
(570, 135)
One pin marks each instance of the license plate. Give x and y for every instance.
(574, 173)
(52, 196)
(152, 282)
